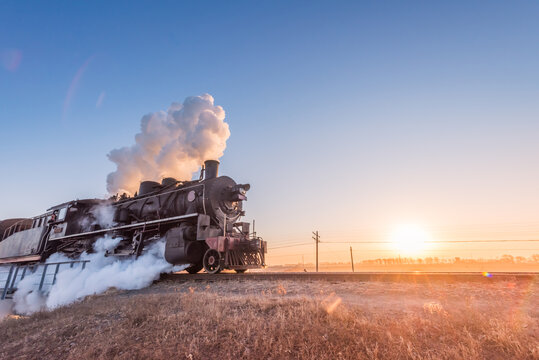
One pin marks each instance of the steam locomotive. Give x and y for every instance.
(199, 221)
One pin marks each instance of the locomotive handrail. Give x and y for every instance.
(18, 223)
(141, 224)
(155, 193)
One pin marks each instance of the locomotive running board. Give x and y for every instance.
(142, 224)
(27, 258)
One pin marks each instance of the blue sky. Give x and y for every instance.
(347, 117)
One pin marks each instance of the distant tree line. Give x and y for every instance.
(504, 259)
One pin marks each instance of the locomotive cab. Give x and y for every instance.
(58, 222)
(24, 239)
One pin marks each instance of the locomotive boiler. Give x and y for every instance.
(199, 221)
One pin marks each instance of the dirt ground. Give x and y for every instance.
(292, 319)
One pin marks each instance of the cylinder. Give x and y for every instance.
(211, 169)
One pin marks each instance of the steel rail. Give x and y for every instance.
(420, 277)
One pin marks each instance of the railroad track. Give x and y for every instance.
(420, 277)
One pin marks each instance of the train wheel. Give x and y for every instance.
(193, 269)
(240, 271)
(212, 261)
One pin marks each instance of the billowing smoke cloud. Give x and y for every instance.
(171, 144)
(100, 274)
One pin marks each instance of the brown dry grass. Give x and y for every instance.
(268, 320)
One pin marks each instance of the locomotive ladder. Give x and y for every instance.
(44, 276)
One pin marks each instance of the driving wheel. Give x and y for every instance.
(212, 261)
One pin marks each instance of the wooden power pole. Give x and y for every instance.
(352, 258)
(316, 239)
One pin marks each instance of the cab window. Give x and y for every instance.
(61, 214)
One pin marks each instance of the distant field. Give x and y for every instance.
(296, 320)
(465, 267)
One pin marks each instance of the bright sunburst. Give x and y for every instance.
(409, 240)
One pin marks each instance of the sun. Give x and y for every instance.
(409, 240)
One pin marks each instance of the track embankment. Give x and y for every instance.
(418, 277)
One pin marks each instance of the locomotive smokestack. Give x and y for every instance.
(211, 169)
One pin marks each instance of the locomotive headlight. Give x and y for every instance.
(237, 193)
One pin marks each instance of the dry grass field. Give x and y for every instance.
(287, 320)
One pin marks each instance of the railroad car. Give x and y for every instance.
(199, 220)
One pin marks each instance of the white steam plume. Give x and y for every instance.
(100, 274)
(6, 308)
(171, 144)
(104, 215)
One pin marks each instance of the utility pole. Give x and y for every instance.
(352, 258)
(316, 239)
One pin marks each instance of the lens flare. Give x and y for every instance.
(11, 59)
(74, 85)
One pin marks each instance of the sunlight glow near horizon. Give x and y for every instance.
(410, 240)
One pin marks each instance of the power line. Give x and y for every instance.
(286, 246)
(425, 242)
(284, 241)
(393, 251)
(431, 241)
(316, 237)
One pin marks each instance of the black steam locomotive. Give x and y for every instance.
(199, 220)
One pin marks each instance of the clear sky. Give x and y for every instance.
(351, 118)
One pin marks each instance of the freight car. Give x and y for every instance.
(199, 221)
